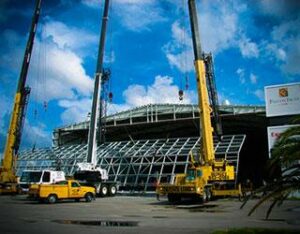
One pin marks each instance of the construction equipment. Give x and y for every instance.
(68, 189)
(89, 173)
(207, 176)
(31, 177)
(8, 178)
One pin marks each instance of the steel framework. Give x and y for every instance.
(136, 165)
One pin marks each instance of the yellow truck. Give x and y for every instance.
(68, 189)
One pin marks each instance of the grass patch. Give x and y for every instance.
(255, 231)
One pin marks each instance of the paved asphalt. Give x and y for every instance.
(135, 214)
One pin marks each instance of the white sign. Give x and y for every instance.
(282, 99)
(274, 133)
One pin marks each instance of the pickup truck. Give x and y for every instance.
(68, 189)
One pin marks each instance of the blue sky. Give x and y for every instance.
(149, 51)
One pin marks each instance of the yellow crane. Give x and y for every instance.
(8, 178)
(206, 177)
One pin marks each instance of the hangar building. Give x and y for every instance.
(151, 144)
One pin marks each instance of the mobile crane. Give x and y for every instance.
(8, 178)
(206, 176)
(88, 173)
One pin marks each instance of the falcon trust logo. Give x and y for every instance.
(283, 92)
(283, 97)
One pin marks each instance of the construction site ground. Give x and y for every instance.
(140, 214)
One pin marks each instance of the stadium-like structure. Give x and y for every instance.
(150, 144)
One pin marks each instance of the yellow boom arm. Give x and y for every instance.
(7, 174)
(203, 102)
(205, 110)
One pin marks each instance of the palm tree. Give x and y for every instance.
(286, 155)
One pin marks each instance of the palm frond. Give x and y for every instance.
(285, 157)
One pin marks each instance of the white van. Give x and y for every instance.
(30, 177)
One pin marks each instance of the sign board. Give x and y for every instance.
(282, 99)
(274, 132)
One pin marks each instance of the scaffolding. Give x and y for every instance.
(137, 165)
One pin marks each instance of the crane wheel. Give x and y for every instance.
(204, 197)
(104, 190)
(208, 194)
(52, 198)
(112, 190)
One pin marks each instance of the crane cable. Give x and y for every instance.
(109, 94)
(39, 86)
(183, 46)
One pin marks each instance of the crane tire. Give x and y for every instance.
(112, 190)
(204, 197)
(104, 190)
(208, 194)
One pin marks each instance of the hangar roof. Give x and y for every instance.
(163, 112)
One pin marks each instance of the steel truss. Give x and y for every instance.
(136, 165)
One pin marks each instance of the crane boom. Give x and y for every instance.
(203, 99)
(88, 173)
(7, 174)
(92, 143)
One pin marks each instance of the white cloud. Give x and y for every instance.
(218, 23)
(248, 49)
(284, 46)
(226, 102)
(110, 57)
(259, 93)
(113, 108)
(92, 3)
(163, 90)
(139, 15)
(253, 78)
(181, 36)
(287, 37)
(272, 49)
(97, 3)
(75, 110)
(179, 51)
(63, 75)
(55, 71)
(182, 61)
(135, 15)
(220, 29)
(67, 37)
(291, 66)
(35, 135)
(241, 73)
